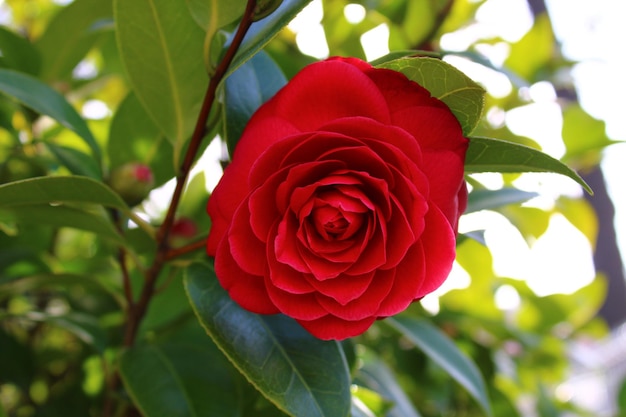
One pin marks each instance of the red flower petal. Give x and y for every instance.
(333, 328)
(246, 289)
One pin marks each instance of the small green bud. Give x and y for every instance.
(132, 181)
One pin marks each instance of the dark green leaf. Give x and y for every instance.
(162, 48)
(263, 31)
(44, 190)
(251, 85)
(134, 137)
(17, 53)
(463, 96)
(70, 35)
(490, 199)
(493, 155)
(181, 380)
(38, 96)
(62, 216)
(75, 161)
(440, 349)
(302, 375)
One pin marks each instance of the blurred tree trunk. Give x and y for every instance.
(607, 258)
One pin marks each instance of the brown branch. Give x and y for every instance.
(183, 250)
(138, 310)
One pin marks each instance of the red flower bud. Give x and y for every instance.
(132, 181)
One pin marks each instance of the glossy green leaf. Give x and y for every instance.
(134, 137)
(264, 30)
(162, 47)
(301, 375)
(463, 96)
(77, 162)
(246, 89)
(376, 375)
(490, 199)
(17, 53)
(44, 190)
(43, 99)
(182, 380)
(62, 216)
(441, 350)
(359, 409)
(70, 34)
(493, 155)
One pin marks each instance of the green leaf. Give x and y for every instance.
(490, 199)
(301, 375)
(70, 35)
(134, 137)
(264, 30)
(162, 48)
(463, 96)
(62, 216)
(75, 161)
(376, 375)
(246, 90)
(84, 326)
(493, 155)
(441, 350)
(17, 53)
(38, 96)
(43, 190)
(584, 137)
(181, 380)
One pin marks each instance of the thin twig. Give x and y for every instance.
(139, 309)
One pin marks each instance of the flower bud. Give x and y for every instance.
(132, 181)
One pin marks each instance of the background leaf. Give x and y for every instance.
(490, 199)
(156, 39)
(38, 96)
(463, 96)
(444, 352)
(44, 190)
(493, 155)
(181, 380)
(70, 35)
(17, 53)
(302, 375)
(134, 137)
(264, 30)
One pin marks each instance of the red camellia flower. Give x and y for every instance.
(342, 200)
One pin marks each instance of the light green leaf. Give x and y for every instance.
(75, 161)
(441, 350)
(246, 90)
(162, 48)
(62, 216)
(463, 96)
(70, 34)
(44, 190)
(84, 326)
(38, 96)
(181, 380)
(490, 199)
(17, 53)
(301, 375)
(264, 30)
(493, 155)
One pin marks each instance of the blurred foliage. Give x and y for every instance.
(65, 282)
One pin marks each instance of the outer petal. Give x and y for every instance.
(329, 90)
(246, 289)
(333, 328)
